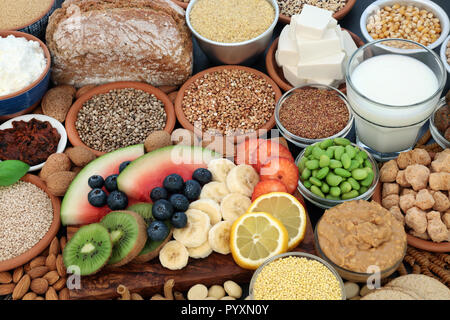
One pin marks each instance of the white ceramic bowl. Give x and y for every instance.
(426, 4)
(54, 123)
(443, 55)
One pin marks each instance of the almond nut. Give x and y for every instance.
(60, 267)
(80, 156)
(54, 247)
(26, 268)
(60, 284)
(55, 162)
(5, 277)
(39, 285)
(22, 287)
(56, 103)
(58, 183)
(51, 294)
(37, 262)
(38, 272)
(17, 274)
(39, 298)
(29, 296)
(51, 277)
(64, 294)
(6, 288)
(51, 262)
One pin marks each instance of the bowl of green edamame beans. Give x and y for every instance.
(335, 170)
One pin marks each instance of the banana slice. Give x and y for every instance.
(219, 237)
(234, 205)
(174, 255)
(196, 231)
(210, 207)
(200, 252)
(242, 179)
(220, 168)
(214, 190)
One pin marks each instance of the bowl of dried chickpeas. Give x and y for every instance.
(421, 21)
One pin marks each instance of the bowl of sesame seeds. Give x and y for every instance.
(340, 8)
(232, 102)
(233, 31)
(296, 276)
(29, 220)
(118, 115)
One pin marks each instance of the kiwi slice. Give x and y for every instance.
(151, 248)
(89, 249)
(128, 234)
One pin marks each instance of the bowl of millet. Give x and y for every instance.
(29, 220)
(118, 115)
(231, 102)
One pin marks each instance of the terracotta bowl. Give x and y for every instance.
(45, 241)
(338, 15)
(235, 139)
(285, 19)
(426, 245)
(276, 73)
(72, 115)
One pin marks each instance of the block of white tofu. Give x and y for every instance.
(329, 67)
(311, 22)
(290, 74)
(309, 50)
(348, 44)
(327, 82)
(287, 49)
(332, 24)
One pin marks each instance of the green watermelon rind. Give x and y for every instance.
(68, 203)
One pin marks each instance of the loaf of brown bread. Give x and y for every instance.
(101, 41)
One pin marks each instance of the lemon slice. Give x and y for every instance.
(255, 237)
(286, 208)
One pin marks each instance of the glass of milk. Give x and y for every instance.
(392, 93)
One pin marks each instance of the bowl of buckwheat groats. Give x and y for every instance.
(118, 115)
(232, 102)
(296, 276)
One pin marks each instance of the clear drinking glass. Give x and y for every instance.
(383, 129)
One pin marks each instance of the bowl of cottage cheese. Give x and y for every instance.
(24, 73)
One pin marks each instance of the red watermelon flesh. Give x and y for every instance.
(149, 171)
(75, 207)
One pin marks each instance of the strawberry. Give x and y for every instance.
(268, 149)
(282, 169)
(245, 150)
(268, 186)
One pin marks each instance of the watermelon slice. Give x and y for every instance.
(149, 171)
(75, 208)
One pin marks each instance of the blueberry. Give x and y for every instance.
(173, 183)
(117, 200)
(202, 175)
(192, 190)
(179, 220)
(158, 193)
(97, 197)
(162, 210)
(96, 182)
(179, 202)
(111, 182)
(157, 231)
(123, 165)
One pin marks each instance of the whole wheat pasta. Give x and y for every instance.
(168, 289)
(444, 257)
(402, 270)
(124, 292)
(441, 273)
(409, 260)
(417, 269)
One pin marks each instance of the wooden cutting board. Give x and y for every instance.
(148, 278)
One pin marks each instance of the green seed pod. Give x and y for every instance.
(350, 195)
(317, 152)
(317, 191)
(335, 164)
(326, 143)
(368, 180)
(338, 152)
(359, 174)
(306, 174)
(335, 191)
(307, 184)
(312, 164)
(325, 188)
(308, 151)
(342, 141)
(345, 187)
(342, 172)
(324, 161)
(355, 184)
(315, 181)
(346, 161)
(333, 180)
(322, 173)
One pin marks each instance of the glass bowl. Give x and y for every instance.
(296, 254)
(437, 136)
(304, 142)
(328, 203)
(349, 275)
